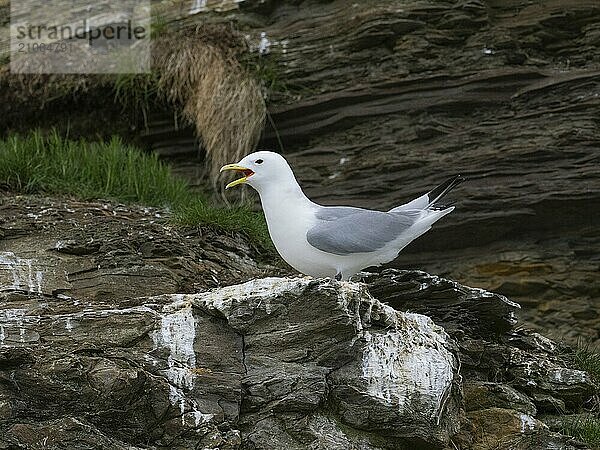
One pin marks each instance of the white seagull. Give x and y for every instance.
(333, 241)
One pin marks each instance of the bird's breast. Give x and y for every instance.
(289, 217)
(288, 221)
(288, 227)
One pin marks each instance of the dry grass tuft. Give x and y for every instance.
(199, 69)
(44, 88)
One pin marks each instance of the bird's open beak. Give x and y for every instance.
(247, 173)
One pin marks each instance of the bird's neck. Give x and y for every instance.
(289, 213)
(285, 195)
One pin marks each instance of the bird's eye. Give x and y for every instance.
(258, 161)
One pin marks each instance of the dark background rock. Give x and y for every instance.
(385, 102)
(375, 103)
(460, 309)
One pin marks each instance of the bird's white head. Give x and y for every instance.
(262, 170)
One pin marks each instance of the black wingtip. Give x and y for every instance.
(438, 192)
(442, 206)
(457, 179)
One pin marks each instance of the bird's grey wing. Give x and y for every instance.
(328, 213)
(343, 231)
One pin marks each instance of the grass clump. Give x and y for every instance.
(584, 428)
(588, 358)
(137, 94)
(200, 72)
(112, 170)
(240, 219)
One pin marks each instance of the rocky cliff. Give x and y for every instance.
(118, 330)
(376, 102)
(402, 360)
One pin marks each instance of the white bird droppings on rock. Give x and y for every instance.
(400, 365)
(200, 418)
(23, 276)
(17, 328)
(264, 44)
(197, 6)
(528, 423)
(177, 332)
(223, 299)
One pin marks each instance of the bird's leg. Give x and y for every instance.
(338, 276)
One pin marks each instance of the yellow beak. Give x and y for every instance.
(247, 172)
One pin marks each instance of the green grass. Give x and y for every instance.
(158, 26)
(240, 219)
(137, 94)
(87, 170)
(588, 358)
(585, 429)
(113, 170)
(267, 71)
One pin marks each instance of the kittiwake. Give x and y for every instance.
(333, 241)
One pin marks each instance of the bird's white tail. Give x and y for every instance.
(429, 200)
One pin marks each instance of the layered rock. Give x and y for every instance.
(268, 363)
(112, 252)
(380, 102)
(280, 362)
(510, 375)
(375, 103)
(88, 360)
